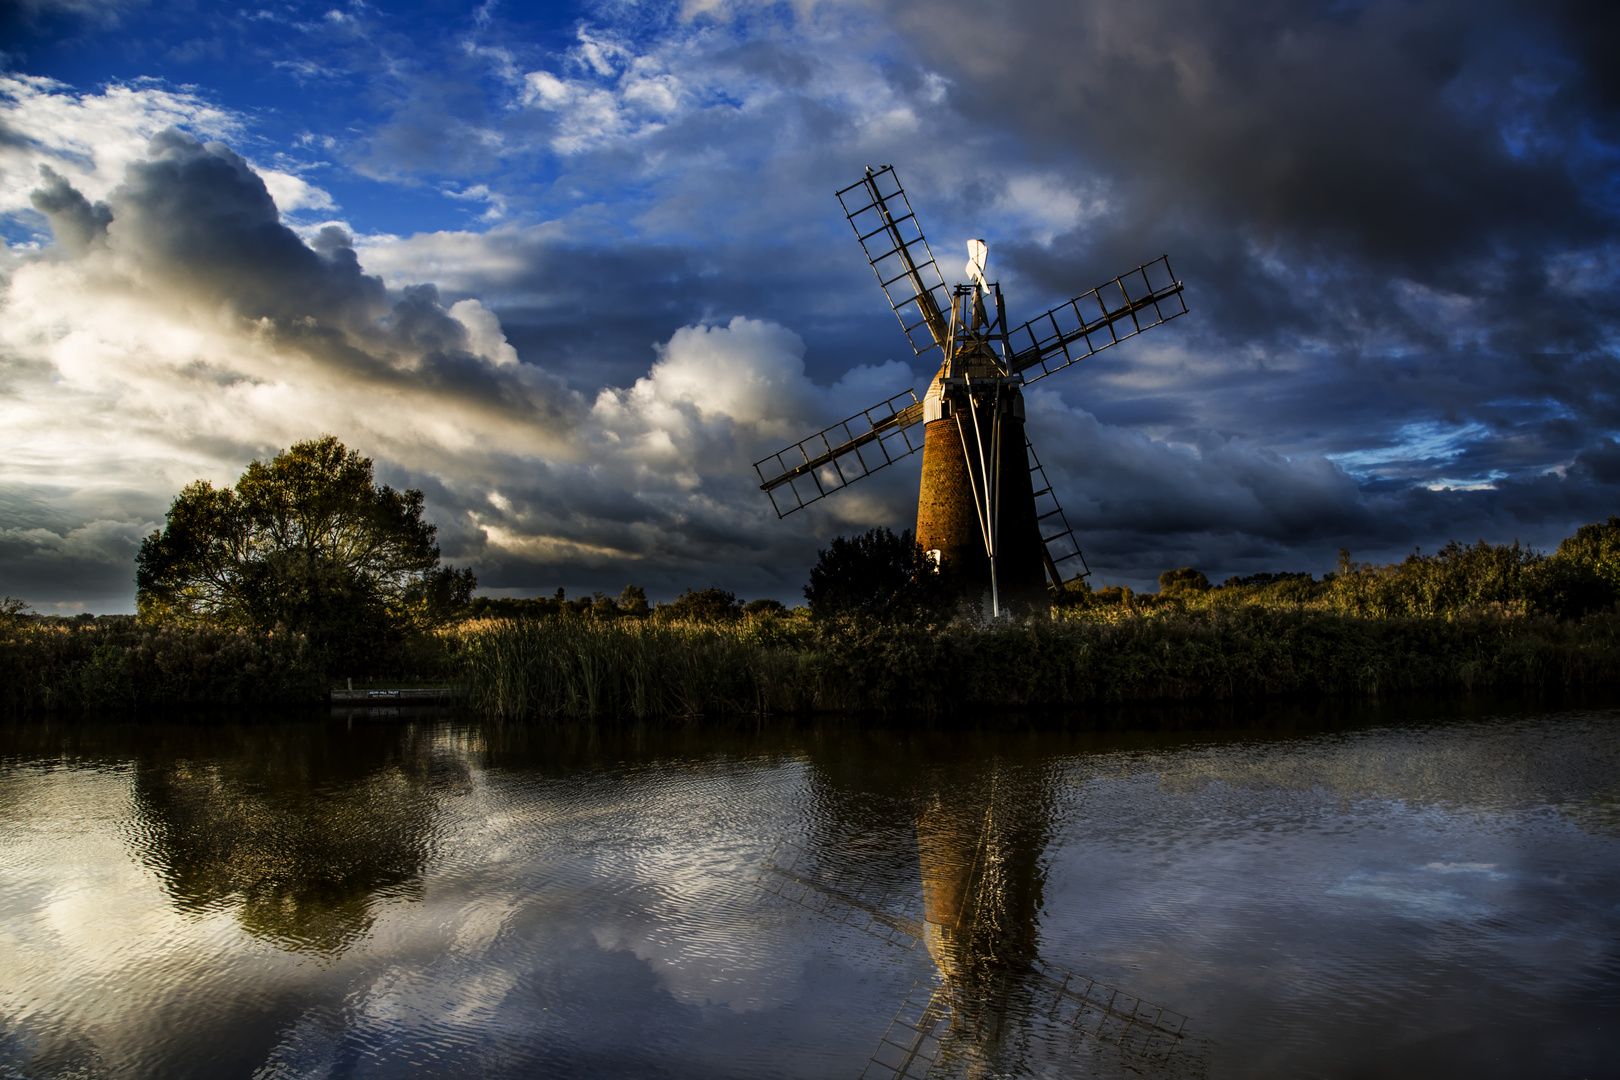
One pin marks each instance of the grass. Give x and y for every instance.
(114, 662)
(580, 669)
(1218, 645)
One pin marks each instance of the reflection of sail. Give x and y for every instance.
(296, 841)
(992, 998)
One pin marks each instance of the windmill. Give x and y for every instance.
(984, 507)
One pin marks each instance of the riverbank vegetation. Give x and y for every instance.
(1465, 618)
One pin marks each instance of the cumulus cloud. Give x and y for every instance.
(178, 328)
(88, 138)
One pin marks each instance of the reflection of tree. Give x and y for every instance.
(297, 830)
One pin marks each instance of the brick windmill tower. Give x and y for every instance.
(984, 507)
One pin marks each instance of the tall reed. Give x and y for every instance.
(583, 669)
(579, 669)
(117, 663)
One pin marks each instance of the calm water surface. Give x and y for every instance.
(436, 897)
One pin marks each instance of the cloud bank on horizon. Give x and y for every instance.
(571, 277)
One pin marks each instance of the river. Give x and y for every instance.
(1413, 893)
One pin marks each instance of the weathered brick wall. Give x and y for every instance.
(947, 521)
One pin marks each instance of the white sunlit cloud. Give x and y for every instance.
(495, 203)
(293, 193)
(90, 138)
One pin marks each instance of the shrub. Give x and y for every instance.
(1184, 580)
(882, 576)
(709, 605)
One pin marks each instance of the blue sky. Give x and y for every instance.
(570, 269)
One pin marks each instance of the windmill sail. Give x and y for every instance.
(886, 226)
(837, 456)
(1057, 538)
(1123, 308)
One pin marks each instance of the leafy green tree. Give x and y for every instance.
(710, 605)
(1075, 593)
(1583, 575)
(633, 602)
(764, 606)
(1596, 548)
(1184, 580)
(305, 541)
(879, 575)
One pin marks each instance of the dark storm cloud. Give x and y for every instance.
(1449, 144)
(593, 313)
(1410, 134)
(1396, 223)
(75, 223)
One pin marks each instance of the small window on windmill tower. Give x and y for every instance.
(933, 555)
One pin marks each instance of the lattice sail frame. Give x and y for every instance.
(1133, 302)
(1057, 537)
(837, 456)
(894, 244)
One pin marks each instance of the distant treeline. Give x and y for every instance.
(876, 636)
(712, 604)
(1580, 577)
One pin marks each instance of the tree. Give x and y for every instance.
(710, 605)
(633, 602)
(1075, 593)
(879, 575)
(1584, 573)
(1184, 580)
(306, 541)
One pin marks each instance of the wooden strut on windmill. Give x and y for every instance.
(984, 507)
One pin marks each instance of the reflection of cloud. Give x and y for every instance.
(1503, 766)
(1418, 893)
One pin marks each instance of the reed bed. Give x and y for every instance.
(580, 669)
(584, 669)
(117, 663)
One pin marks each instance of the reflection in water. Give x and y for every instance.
(1330, 902)
(981, 892)
(298, 838)
(980, 831)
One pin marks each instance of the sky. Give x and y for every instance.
(570, 269)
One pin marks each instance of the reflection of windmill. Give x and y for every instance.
(976, 924)
(979, 508)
